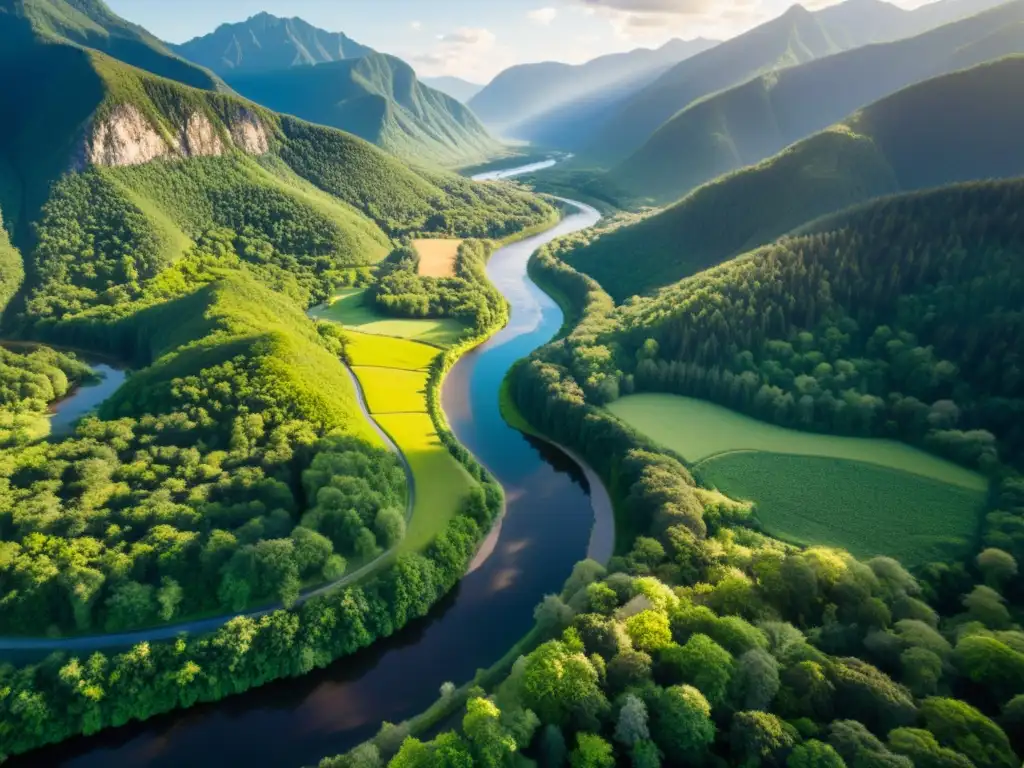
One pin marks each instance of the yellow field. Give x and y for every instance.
(392, 390)
(392, 373)
(441, 482)
(386, 352)
(437, 257)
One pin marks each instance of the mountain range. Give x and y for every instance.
(521, 100)
(456, 87)
(747, 123)
(953, 128)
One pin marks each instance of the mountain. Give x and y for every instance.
(265, 42)
(456, 87)
(793, 38)
(524, 94)
(140, 168)
(378, 98)
(750, 122)
(957, 127)
(860, 22)
(92, 24)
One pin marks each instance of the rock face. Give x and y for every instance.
(126, 137)
(249, 133)
(200, 138)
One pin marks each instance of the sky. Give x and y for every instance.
(476, 39)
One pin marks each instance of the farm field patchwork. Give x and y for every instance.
(392, 373)
(348, 308)
(867, 495)
(437, 256)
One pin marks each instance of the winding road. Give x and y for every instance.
(557, 512)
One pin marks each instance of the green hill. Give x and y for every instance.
(952, 128)
(265, 42)
(745, 124)
(793, 38)
(900, 318)
(92, 24)
(378, 98)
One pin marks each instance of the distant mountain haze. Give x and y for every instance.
(265, 42)
(456, 87)
(523, 94)
(958, 127)
(378, 98)
(745, 124)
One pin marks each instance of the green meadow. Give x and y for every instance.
(867, 495)
(349, 308)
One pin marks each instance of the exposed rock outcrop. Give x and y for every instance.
(124, 137)
(249, 133)
(199, 137)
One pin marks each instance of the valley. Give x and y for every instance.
(472, 387)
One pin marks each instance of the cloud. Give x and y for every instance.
(416, 25)
(469, 52)
(659, 19)
(542, 16)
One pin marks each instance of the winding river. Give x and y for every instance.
(547, 527)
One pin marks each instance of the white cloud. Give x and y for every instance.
(416, 25)
(657, 20)
(469, 52)
(542, 16)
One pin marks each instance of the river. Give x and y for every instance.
(546, 529)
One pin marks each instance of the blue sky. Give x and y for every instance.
(475, 39)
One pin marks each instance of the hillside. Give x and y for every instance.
(860, 22)
(521, 100)
(855, 324)
(793, 38)
(750, 122)
(265, 42)
(91, 23)
(378, 98)
(952, 128)
(456, 87)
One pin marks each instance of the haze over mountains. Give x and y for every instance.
(954, 128)
(522, 99)
(456, 87)
(749, 122)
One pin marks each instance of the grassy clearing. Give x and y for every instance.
(393, 390)
(698, 430)
(386, 352)
(441, 482)
(349, 309)
(437, 256)
(867, 509)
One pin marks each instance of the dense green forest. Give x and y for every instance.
(378, 98)
(468, 296)
(952, 128)
(745, 124)
(30, 380)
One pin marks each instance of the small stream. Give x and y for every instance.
(83, 400)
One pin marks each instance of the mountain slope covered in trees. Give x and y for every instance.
(265, 42)
(378, 98)
(792, 38)
(92, 24)
(745, 124)
(544, 102)
(952, 128)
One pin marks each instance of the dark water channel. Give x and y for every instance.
(545, 531)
